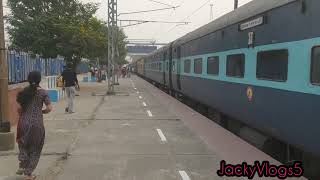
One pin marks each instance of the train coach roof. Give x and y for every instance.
(246, 11)
(163, 48)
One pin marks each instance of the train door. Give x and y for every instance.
(178, 67)
(163, 67)
(170, 66)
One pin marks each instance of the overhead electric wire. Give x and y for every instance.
(156, 33)
(191, 14)
(145, 11)
(148, 21)
(161, 3)
(134, 20)
(133, 24)
(196, 10)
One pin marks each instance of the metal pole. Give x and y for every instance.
(117, 81)
(109, 44)
(4, 111)
(211, 12)
(115, 40)
(235, 4)
(116, 59)
(112, 24)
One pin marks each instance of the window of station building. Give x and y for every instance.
(198, 66)
(213, 65)
(315, 66)
(160, 66)
(187, 66)
(273, 65)
(167, 66)
(236, 65)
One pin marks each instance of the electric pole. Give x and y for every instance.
(211, 12)
(6, 137)
(112, 41)
(236, 4)
(117, 60)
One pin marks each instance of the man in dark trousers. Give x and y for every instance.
(70, 82)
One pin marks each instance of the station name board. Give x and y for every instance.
(253, 23)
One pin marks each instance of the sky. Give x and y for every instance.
(197, 12)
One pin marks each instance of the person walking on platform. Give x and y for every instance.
(70, 82)
(30, 128)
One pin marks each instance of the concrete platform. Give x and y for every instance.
(7, 141)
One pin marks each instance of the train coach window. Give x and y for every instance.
(236, 65)
(173, 66)
(213, 65)
(315, 66)
(273, 65)
(198, 66)
(187, 66)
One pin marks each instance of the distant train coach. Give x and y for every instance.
(259, 64)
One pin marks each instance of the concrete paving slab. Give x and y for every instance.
(119, 139)
(85, 104)
(11, 165)
(119, 168)
(60, 134)
(131, 107)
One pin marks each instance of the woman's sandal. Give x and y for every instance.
(30, 178)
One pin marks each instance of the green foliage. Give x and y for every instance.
(59, 27)
(122, 50)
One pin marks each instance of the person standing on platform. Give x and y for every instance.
(92, 72)
(70, 82)
(30, 128)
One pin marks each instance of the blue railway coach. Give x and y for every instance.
(259, 64)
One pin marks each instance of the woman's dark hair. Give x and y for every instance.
(26, 95)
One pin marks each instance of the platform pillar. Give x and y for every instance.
(6, 137)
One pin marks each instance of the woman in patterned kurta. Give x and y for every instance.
(30, 129)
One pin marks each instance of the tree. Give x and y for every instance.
(121, 47)
(59, 27)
